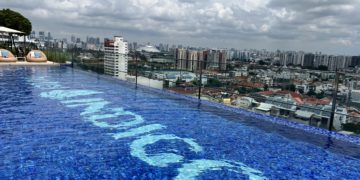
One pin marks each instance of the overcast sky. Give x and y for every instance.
(330, 26)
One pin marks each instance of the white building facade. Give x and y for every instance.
(116, 57)
(355, 96)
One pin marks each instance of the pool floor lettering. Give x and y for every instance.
(56, 122)
(93, 109)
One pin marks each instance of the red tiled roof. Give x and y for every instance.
(251, 85)
(268, 93)
(284, 92)
(297, 97)
(314, 101)
(183, 90)
(325, 101)
(298, 100)
(354, 114)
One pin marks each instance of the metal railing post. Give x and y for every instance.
(136, 70)
(72, 57)
(200, 81)
(333, 108)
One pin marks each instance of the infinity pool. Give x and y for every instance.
(61, 123)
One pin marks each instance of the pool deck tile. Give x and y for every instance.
(24, 63)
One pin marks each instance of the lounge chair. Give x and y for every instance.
(36, 56)
(7, 56)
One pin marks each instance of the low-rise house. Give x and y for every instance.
(320, 115)
(245, 102)
(354, 117)
(264, 108)
(282, 106)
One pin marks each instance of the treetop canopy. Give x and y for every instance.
(15, 20)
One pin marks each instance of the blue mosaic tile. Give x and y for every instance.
(49, 129)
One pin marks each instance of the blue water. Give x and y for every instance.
(60, 123)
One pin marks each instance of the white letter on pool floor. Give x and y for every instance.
(63, 94)
(131, 119)
(160, 159)
(196, 167)
(138, 131)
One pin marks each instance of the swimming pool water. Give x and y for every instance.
(62, 123)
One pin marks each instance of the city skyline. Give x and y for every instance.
(329, 27)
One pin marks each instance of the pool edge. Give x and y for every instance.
(276, 120)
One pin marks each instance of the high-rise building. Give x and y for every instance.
(355, 61)
(49, 37)
(193, 60)
(32, 35)
(41, 35)
(135, 45)
(332, 63)
(116, 57)
(308, 60)
(181, 58)
(97, 41)
(73, 39)
(339, 62)
(348, 60)
(212, 61)
(355, 96)
(299, 58)
(223, 60)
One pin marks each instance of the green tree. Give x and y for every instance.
(242, 90)
(230, 67)
(311, 93)
(255, 90)
(195, 82)
(179, 81)
(352, 127)
(262, 62)
(301, 91)
(320, 95)
(15, 20)
(266, 87)
(323, 68)
(291, 87)
(142, 57)
(252, 74)
(277, 64)
(213, 82)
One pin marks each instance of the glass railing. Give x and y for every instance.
(57, 55)
(297, 95)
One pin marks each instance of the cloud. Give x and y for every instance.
(345, 42)
(326, 25)
(42, 13)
